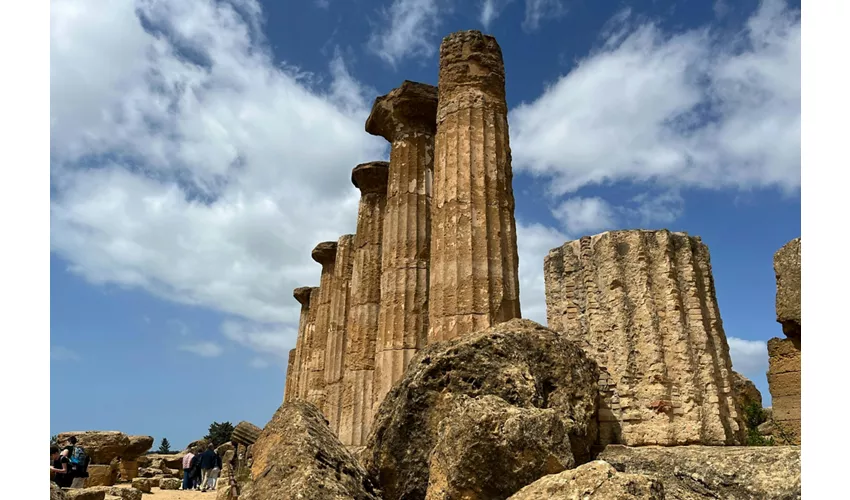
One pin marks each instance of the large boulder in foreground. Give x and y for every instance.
(519, 361)
(85, 494)
(122, 493)
(297, 457)
(597, 480)
(101, 446)
(727, 472)
(488, 449)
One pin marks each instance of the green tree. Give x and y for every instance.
(164, 446)
(754, 415)
(219, 433)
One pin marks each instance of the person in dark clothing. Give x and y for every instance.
(60, 466)
(208, 462)
(196, 470)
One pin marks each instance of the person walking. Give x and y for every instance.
(187, 470)
(215, 472)
(60, 468)
(196, 470)
(207, 463)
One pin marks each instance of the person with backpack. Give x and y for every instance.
(79, 462)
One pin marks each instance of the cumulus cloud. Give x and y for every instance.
(275, 340)
(541, 10)
(259, 363)
(408, 29)
(534, 241)
(580, 215)
(749, 358)
(690, 109)
(490, 10)
(185, 161)
(203, 349)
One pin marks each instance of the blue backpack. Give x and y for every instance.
(79, 460)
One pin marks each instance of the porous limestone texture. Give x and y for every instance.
(787, 266)
(642, 304)
(406, 117)
(365, 304)
(302, 354)
(335, 347)
(298, 457)
(488, 449)
(324, 254)
(714, 472)
(290, 374)
(521, 362)
(597, 480)
(102, 447)
(783, 379)
(474, 280)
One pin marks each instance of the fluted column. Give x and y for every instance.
(324, 254)
(474, 263)
(335, 346)
(364, 304)
(405, 117)
(290, 369)
(302, 295)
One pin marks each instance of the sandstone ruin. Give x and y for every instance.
(406, 117)
(474, 261)
(335, 346)
(642, 304)
(294, 375)
(325, 254)
(364, 305)
(783, 376)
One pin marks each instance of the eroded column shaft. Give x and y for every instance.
(324, 254)
(296, 380)
(290, 375)
(307, 344)
(364, 305)
(642, 304)
(474, 279)
(335, 347)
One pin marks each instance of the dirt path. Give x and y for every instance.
(159, 494)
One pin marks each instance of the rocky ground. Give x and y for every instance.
(177, 494)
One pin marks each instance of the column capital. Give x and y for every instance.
(371, 177)
(325, 252)
(302, 295)
(413, 105)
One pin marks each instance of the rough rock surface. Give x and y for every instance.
(56, 492)
(101, 446)
(597, 480)
(745, 391)
(787, 266)
(643, 306)
(520, 361)
(325, 254)
(128, 469)
(85, 494)
(297, 456)
(488, 449)
(102, 475)
(722, 472)
(474, 276)
(142, 484)
(169, 483)
(122, 493)
(173, 460)
(245, 433)
(783, 378)
(138, 445)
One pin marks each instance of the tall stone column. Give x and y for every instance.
(642, 304)
(312, 298)
(290, 374)
(365, 302)
(302, 295)
(324, 254)
(474, 263)
(335, 346)
(405, 117)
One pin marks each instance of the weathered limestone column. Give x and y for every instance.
(335, 346)
(407, 118)
(302, 295)
(642, 304)
(474, 263)
(312, 298)
(324, 254)
(290, 369)
(365, 302)
(783, 376)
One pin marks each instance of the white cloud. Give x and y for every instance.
(582, 215)
(272, 339)
(188, 163)
(533, 243)
(259, 363)
(490, 10)
(750, 359)
(59, 353)
(409, 29)
(203, 349)
(541, 10)
(687, 109)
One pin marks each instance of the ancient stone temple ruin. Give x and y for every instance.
(783, 376)
(642, 304)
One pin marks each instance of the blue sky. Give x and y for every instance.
(200, 149)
